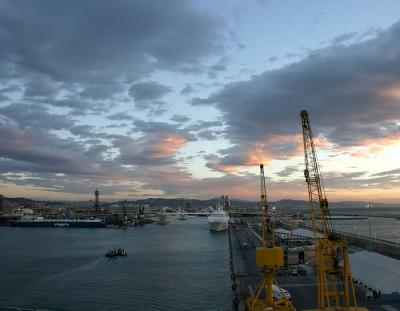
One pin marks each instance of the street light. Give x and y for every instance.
(369, 206)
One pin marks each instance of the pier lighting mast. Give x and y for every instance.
(335, 288)
(268, 257)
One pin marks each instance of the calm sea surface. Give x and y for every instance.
(384, 228)
(178, 266)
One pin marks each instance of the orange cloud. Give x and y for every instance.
(252, 154)
(167, 145)
(391, 91)
(369, 146)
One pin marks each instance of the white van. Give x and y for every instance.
(279, 293)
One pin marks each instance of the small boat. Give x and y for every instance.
(116, 252)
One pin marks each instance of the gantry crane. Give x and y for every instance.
(335, 288)
(268, 257)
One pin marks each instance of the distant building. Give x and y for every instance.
(227, 202)
(96, 199)
(19, 212)
(128, 209)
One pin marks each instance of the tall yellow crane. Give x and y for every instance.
(268, 257)
(335, 288)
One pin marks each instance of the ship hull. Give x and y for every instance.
(58, 224)
(218, 226)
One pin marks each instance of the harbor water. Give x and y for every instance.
(379, 223)
(178, 266)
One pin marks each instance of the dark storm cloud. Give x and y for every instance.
(101, 91)
(351, 93)
(344, 37)
(158, 128)
(187, 90)
(121, 116)
(180, 118)
(387, 173)
(80, 58)
(273, 59)
(3, 98)
(156, 143)
(360, 180)
(289, 170)
(39, 151)
(83, 130)
(75, 41)
(148, 90)
(78, 105)
(221, 65)
(208, 135)
(36, 116)
(177, 182)
(155, 108)
(11, 89)
(203, 125)
(41, 86)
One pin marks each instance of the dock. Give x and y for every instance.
(243, 240)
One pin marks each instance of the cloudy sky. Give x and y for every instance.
(181, 98)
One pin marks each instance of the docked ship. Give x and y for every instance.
(218, 219)
(35, 221)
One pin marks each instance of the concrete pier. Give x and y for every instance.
(390, 249)
(303, 288)
(244, 272)
(246, 275)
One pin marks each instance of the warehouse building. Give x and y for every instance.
(379, 275)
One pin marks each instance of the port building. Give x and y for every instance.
(379, 275)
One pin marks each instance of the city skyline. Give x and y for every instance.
(147, 99)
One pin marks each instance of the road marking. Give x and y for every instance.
(389, 308)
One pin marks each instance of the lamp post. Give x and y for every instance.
(369, 226)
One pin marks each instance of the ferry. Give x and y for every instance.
(37, 221)
(218, 220)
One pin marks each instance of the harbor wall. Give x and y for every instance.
(386, 248)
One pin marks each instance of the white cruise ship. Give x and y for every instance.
(218, 219)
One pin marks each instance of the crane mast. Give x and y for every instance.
(316, 193)
(266, 221)
(268, 257)
(335, 288)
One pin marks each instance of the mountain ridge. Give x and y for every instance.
(182, 202)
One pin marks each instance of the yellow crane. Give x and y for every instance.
(268, 257)
(335, 289)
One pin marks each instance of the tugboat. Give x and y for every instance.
(116, 252)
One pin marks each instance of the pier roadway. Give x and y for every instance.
(247, 274)
(302, 288)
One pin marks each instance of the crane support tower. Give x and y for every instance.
(268, 257)
(335, 289)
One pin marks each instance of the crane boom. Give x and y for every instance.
(334, 283)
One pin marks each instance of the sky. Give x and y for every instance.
(185, 98)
